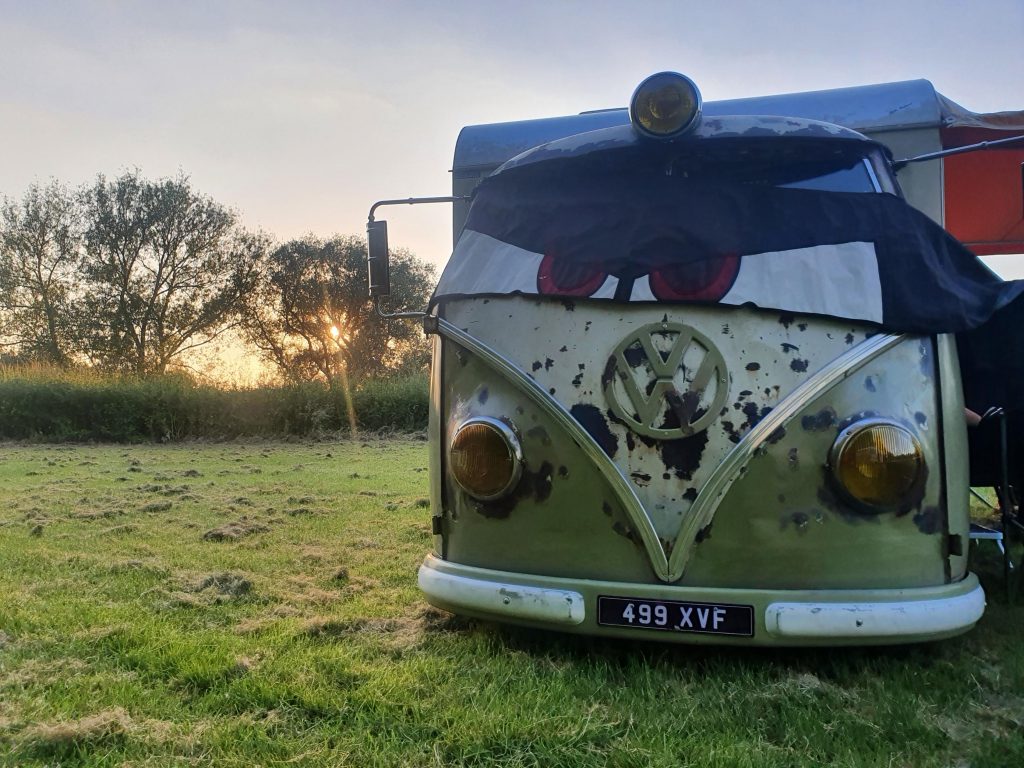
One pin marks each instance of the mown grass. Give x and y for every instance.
(45, 403)
(255, 604)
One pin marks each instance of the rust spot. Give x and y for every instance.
(535, 485)
(540, 481)
(640, 478)
(753, 415)
(859, 416)
(563, 348)
(820, 421)
(563, 471)
(682, 409)
(730, 429)
(800, 520)
(548, 362)
(802, 326)
(744, 394)
(630, 442)
(682, 456)
(634, 355)
(624, 530)
(608, 374)
(590, 418)
(798, 365)
(577, 380)
(703, 534)
(482, 397)
(539, 433)
(777, 434)
(787, 347)
(537, 365)
(569, 304)
(753, 366)
(869, 384)
(666, 476)
(690, 494)
(793, 459)
(725, 329)
(849, 338)
(921, 419)
(586, 326)
(786, 321)
(551, 391)
(606, 508)
(928, 520)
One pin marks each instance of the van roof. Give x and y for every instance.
(885, 107)
(620, 137)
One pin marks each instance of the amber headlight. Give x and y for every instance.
(485, 458)
(665, 105)
(878, 463)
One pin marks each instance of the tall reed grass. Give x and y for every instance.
(42, 403)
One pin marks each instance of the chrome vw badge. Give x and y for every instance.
(666, 381)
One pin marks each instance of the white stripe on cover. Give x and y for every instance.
(483, 264)
(839, 280)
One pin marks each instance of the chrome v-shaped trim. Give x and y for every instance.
(621, 487)
(721, 480)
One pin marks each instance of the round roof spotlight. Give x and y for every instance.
(665, 105)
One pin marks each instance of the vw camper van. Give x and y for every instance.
(694, 378)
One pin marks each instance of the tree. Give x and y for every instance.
(164, 271)
(40, 250)
(311, 315)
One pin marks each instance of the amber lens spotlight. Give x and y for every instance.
(485, 458)
(665, 105)
(879, 464)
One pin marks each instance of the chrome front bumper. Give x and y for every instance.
(782, 617)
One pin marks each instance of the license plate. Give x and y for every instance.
(676, 616)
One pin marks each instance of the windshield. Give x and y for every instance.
(825, 166)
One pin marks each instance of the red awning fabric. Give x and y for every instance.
(984, 190)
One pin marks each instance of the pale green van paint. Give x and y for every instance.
(722, 515)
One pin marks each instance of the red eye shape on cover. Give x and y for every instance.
(706, 280)
(557, 277)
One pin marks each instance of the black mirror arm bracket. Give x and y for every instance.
(413, 201)
(898, 165)
(395, 315)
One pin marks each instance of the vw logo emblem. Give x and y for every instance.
(666, 381)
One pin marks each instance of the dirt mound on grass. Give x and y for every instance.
(227, 583)
(67, 736)
(234, 531)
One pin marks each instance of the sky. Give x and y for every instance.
(299, 115)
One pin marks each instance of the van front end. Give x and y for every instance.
(557, 507)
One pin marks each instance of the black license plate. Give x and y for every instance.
(676, 616)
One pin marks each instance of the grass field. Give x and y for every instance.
(255, 604)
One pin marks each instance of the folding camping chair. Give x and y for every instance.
(989, 445)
